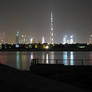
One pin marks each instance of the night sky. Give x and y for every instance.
(73, 17)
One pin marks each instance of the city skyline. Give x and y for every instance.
(32, 17)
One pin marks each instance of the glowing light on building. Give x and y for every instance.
(68, 39)
(43, 40)
(2, 37)
(71, 40)
(65, 39)
(17, 38)
(46, 47)
(23, 39)
(89, 40)
(31, 40)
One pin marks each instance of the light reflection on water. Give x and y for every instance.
(47, 57)
(65, 57)
(52, 57)
(43, 57)
(23, 60)
(68, 58)
(18, 60)
(71, 58)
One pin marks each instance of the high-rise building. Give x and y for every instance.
(89, 40)
(52, 29)
(17, 37)
(71, 39)
(31, 40)
(43, 40)
(2, 37)
(68, 39)
(65, 39)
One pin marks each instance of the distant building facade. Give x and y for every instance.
(89, 40)
(17, 37)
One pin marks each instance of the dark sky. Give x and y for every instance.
(73, 17)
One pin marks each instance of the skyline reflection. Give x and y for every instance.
(18, 60)
(22, 60)
(3, 58)
(52, 55)
(31, 57)
(47, 58)
(43, 58)
(71, 58)
(65, 58)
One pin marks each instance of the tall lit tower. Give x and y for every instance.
(43, 40)
(71, 39)
(17, 38)
(65, 39)
(51, 29)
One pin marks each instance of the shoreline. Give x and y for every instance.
(55, 76)
(46, 50)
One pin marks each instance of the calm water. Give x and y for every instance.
(22, 60)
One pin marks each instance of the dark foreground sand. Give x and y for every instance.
(44, 78)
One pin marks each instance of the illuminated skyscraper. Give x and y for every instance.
(68, 39)
(31, 40)
(65, 39)
(71, 40)
(17, 38)
(52, 30)
(89, 40)
(43, 40)
(2, 37)
(22, 39)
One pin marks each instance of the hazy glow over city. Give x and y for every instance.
(33, 19)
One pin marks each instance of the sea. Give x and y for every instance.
(24, 60)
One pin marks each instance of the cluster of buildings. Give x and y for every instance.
(2, 37)
(89, 40)
(25, 39)
(68, 39)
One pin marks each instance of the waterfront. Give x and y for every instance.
(23, 60)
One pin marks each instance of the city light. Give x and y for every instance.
(68, 39)
(17, 46)
(31, 40)
(52, 29)
(71, 40)
(46, 47)
(36, 46)
(17, 38)
(89, 40)
(65, 39)
(43, 40)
